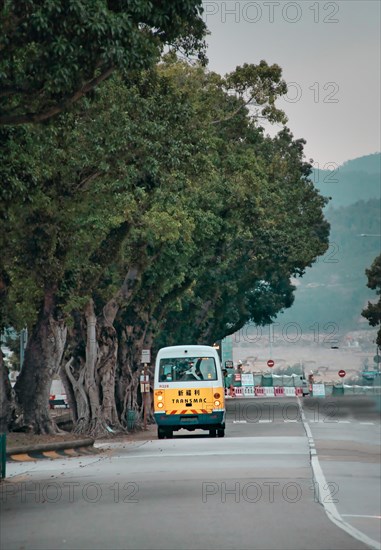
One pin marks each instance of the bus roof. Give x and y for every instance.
(173, 351)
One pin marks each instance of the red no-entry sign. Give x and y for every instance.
(270, 363)
(342, 373)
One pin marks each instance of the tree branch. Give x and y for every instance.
(59, 107)
(123, 295)
(88, 179)
(234, 112)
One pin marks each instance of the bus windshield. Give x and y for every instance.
(187, 369)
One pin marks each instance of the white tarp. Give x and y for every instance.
(247, 379)
(318, 390)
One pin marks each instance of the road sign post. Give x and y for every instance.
(143, 388)
(144, 383)
(146, 356)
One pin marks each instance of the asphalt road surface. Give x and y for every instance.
(284, 476)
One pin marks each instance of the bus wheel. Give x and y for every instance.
(212, 433)
(161, 433)
(221, 432)
(169, 434)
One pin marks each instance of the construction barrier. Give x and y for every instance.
(280, 391)
(238, 391)
(260, 391)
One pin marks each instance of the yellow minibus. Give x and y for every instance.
(189, 391)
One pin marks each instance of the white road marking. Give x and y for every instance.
(344, 421)
(359, 516)
(288, 421)
(264, 421)
(239, 421)
(330, 508)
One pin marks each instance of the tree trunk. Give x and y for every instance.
(132, 340)
(6, 401)
(108, 350)
(89, 375)
(128, 374)
(43, 355)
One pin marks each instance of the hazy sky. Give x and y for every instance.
(329, 51)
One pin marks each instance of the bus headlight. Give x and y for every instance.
(217, 396)
(160, 398)
(217, 403)
(160, 405)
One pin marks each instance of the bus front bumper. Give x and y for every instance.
(200, 421)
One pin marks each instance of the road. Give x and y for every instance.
(260, 487)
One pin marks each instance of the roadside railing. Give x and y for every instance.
(3, 456)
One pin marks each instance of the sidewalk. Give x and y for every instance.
(32, 444)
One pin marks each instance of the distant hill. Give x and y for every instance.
(357, 179)
(334, 289)
(370, 164)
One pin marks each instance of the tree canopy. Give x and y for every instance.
(154, 211)
(53, 52)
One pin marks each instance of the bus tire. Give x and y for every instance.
(169, 434)
(212, 433)
(160, 433)
(221, 432)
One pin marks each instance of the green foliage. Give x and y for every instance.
(94, 173)
(216, 217)
(270, 226)
(54, 52)
(260, 85)
(373, 311)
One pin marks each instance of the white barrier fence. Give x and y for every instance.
(260, 391)
(318, 390)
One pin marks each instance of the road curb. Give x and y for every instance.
(44, 447)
